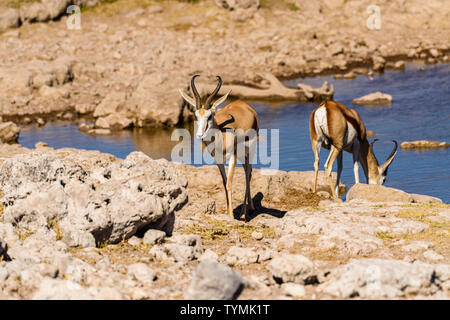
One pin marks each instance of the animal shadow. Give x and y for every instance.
(259, 209)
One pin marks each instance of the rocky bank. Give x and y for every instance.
(78, 224)
(125, 64)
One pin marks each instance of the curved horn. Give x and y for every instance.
(212, 96)
(194, 90)
(388, 162)
(371, 144)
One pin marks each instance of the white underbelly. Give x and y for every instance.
(350, 136)
(321, 123)
(321, 126)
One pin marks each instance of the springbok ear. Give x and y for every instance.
(219, 101)
(188, 99)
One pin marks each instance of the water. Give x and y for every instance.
(420, 110)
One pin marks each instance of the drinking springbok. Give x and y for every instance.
(338, 128)
(235, 132)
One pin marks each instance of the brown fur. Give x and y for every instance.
(245, 117)
(337, 117)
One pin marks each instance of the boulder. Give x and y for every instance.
(376, 278)
(9, 132)
(424, 144)
(209, 255)
(9, 18)
(66, 187)
(152, 107)
(293, 289)
(243, 256)
(141, 272)
(43, 11)
(214, 281)
(153, 236)
(374, 99)
(292, 268)
(111, 104)
(113, 122)
(377, 193)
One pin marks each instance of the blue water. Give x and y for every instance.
(420, 111)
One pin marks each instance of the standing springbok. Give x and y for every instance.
(235, 132)
(337, 128)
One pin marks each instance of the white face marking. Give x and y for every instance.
(204, 123)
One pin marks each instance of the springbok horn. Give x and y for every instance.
(194, 90)
(212, 96)
(371, 144)
(390, 158)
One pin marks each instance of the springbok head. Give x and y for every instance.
(378, 176)
(203, 107)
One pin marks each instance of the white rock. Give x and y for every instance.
(142, 272)
(209, 255)
(291, 268)
(374, 98)
(238, 255)
(293, 289)
(376, 278)
(213, 281)
(153, 236)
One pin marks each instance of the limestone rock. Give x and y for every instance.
(9, 18)
(142, 272)
(213, 281)
(9, 132)
(424, 144)
(44, 186)
(112, 103)
(238, 255)
(291, 268)
(293, 289)
(377, 193)
(113, 121)
(376, 278)
(153, 236)
(374, 98)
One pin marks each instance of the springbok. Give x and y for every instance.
(337, 128)
(235, 131)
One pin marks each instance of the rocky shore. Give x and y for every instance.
(78, 224)
(124, 66)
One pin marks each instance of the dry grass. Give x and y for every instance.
(385, 235)
(438, 232)
(217, 230)
(23, 235)
(16, 3)
(54, 225)
(293, 199)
